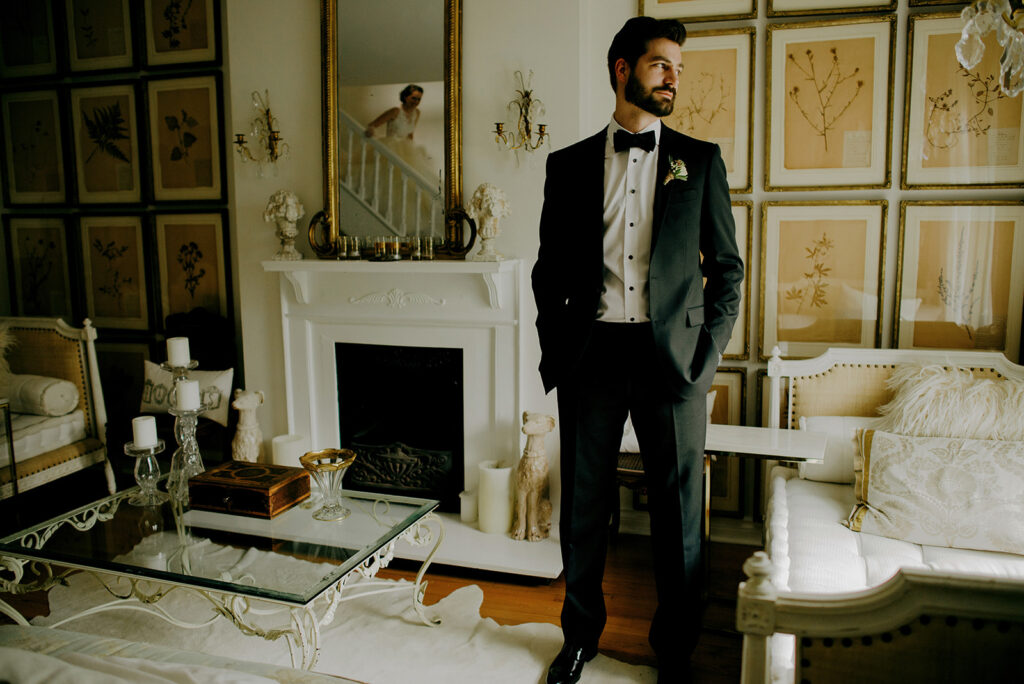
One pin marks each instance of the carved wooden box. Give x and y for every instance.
(260, 490)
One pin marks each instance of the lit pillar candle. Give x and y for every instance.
(144, 431)
(177, 352)
(188, 395)
(495, 497)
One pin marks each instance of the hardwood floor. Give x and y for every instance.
(510, 599)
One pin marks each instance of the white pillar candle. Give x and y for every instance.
(144, 431)
(494, 502)
(287, 449)
(468, 506)
(188, 395)
(177, 352)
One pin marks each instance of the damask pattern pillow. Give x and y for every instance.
(214, 391)
(940, 491)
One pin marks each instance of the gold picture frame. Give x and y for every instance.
(42, 282)
(185, 144)
(738, 347)
(729, 386)
(959, 128)
(99, 34)
(715, 96)
(698, 10)
(192, 263)
(960, 276)
(787, 8)
(114, 268)
(821, 275)
(176, 38)
(33, 148)
(837, 131)
(106, 137)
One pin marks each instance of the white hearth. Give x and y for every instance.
(472, 306)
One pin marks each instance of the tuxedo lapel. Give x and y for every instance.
(591, 186)
(666, 148)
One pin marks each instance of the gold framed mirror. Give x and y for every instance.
(457, 232)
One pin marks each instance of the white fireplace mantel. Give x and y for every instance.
(300, 273)
(473, 306)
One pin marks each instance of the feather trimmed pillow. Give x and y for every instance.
(937, 401)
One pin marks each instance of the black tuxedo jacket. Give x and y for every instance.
(692, 321)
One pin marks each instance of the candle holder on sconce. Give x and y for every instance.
(186, 461)
(147, 472)
(179, 372)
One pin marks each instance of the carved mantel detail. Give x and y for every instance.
(396, 299)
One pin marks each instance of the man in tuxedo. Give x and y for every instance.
(637, 283)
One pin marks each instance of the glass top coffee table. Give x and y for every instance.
(292, 566)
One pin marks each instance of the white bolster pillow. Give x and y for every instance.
(41, 396)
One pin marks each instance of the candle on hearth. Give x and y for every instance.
(144, 431)
(188, 395)
(494, 501)
(177, 352)
(286, 449)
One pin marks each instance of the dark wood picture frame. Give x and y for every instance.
(184, 138)
(39, 252)
(106, 134)
(192, 263)
(99, 34)
(33, 147)
(27, 46)
(114, 271)
(176, 37)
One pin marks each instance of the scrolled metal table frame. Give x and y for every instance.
(142, 594)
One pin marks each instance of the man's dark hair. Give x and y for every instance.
(632, 39)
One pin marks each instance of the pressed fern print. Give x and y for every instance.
(106, 126)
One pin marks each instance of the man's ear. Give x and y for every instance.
(621, 70)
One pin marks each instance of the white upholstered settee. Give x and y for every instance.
(63, 427)
(825, 603)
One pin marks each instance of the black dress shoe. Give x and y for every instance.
(568, 664)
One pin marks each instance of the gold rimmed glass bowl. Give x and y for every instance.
(328, 467)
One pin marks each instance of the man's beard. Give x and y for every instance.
(645, 99)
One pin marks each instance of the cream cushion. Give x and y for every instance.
(39, 395)
(959, 493)
(7, 340)
(840, 448)
(214, 391)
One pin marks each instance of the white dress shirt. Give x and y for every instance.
(629, 184)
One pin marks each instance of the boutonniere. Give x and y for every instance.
(676, 171)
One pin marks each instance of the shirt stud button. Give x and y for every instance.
(630, 256)
(632, 192)
(630, 288)
(631, 319)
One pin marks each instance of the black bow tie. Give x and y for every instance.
(623, 140)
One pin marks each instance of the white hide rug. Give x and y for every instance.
(377, 639)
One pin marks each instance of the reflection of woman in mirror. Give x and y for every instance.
(401, 125)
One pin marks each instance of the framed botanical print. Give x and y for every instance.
(39, 251)
(961, 276)
(698, 10)
(33, 148)
(782, 8)
(106, 144)
(960, 129)
(726, 471)
(115, 272)
(829, 104)
(739, 344)
(821, 275)
(714, 97)
(26, 39)
(184, 134)
(192, 263)
(180, 32)
(99, 34)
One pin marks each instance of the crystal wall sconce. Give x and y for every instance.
(268, 146)
(1007, 20)
(526, 109)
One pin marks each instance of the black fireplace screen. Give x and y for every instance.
(401, 411)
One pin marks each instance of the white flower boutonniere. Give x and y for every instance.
(676, 171)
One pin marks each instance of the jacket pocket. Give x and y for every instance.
(695, 317)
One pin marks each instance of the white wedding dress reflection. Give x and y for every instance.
(399, 138)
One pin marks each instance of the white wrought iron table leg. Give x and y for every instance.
(420, 589)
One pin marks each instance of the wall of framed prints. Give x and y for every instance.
(114, 203)
(882, 183)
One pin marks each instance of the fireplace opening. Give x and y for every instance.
(400, 409)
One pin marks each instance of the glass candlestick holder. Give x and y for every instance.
(179, 372)
(186, 461)
(147, 472)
